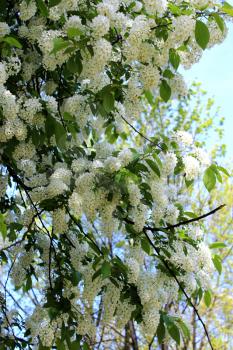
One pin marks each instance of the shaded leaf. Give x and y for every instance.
(54, 2)
(42, 8)
(12, 41)
(202, 34)
(207, 298)
(161, 331)
(174, 58)
(3, 228)
(153, 166)
(108, 101)
(59, 44)
(165, 90)
(219, 20)
(106, 269)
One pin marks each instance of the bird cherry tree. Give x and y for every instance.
(97, 232)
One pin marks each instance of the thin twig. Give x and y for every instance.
(85, 234)
(151, 342)
(139, 133)
(50, 260)
(14, 175)
(13, 298)
(11, 245)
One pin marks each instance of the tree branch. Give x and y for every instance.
(180, 286)
(186, 222)
(139, 133)
(86, 235)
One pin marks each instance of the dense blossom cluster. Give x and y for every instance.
(73, 77)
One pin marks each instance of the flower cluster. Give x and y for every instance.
(82, 202)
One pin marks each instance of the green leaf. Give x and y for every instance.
(214, 167)
(209, 179)
(75, 277)
(67, 116)
(108, 101)
(168, 74)
(174, 332)
(75, 345)
(42, 347)
(120, 244)
(174, 58)
(217, 245)
(28, 283)
(106, 269)
(219, 20)
(72, 32)
(161, 331)
(54, 2)
(3, 227)
(153, 166)
(176, 10)
(184, 328)
(3, 9)
(202, 34)
(165, 91)
(12, 41)
(74, 64)
(59, 44)
(227, 8)
(42, 8)
(217, 263)
(60, 344)
(96, 274)
(158, 160)
(207, 298)
(60, 135)
(146, 246)
(223, 170)
(149, 96)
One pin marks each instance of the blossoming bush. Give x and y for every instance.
(95, 231)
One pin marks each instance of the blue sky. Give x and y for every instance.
(215, 72)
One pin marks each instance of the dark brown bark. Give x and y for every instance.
(127, 337)
(194, 330)
(133, 336)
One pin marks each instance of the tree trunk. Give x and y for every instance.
(127, 337)
(133, 336)
(194, 330)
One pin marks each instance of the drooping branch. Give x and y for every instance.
(179, 224)
(185, 222)
(180, 286)
(139, 133)
(169, 269)
(13, 298)
(14, 175)
(11, 245)
(85, 234)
